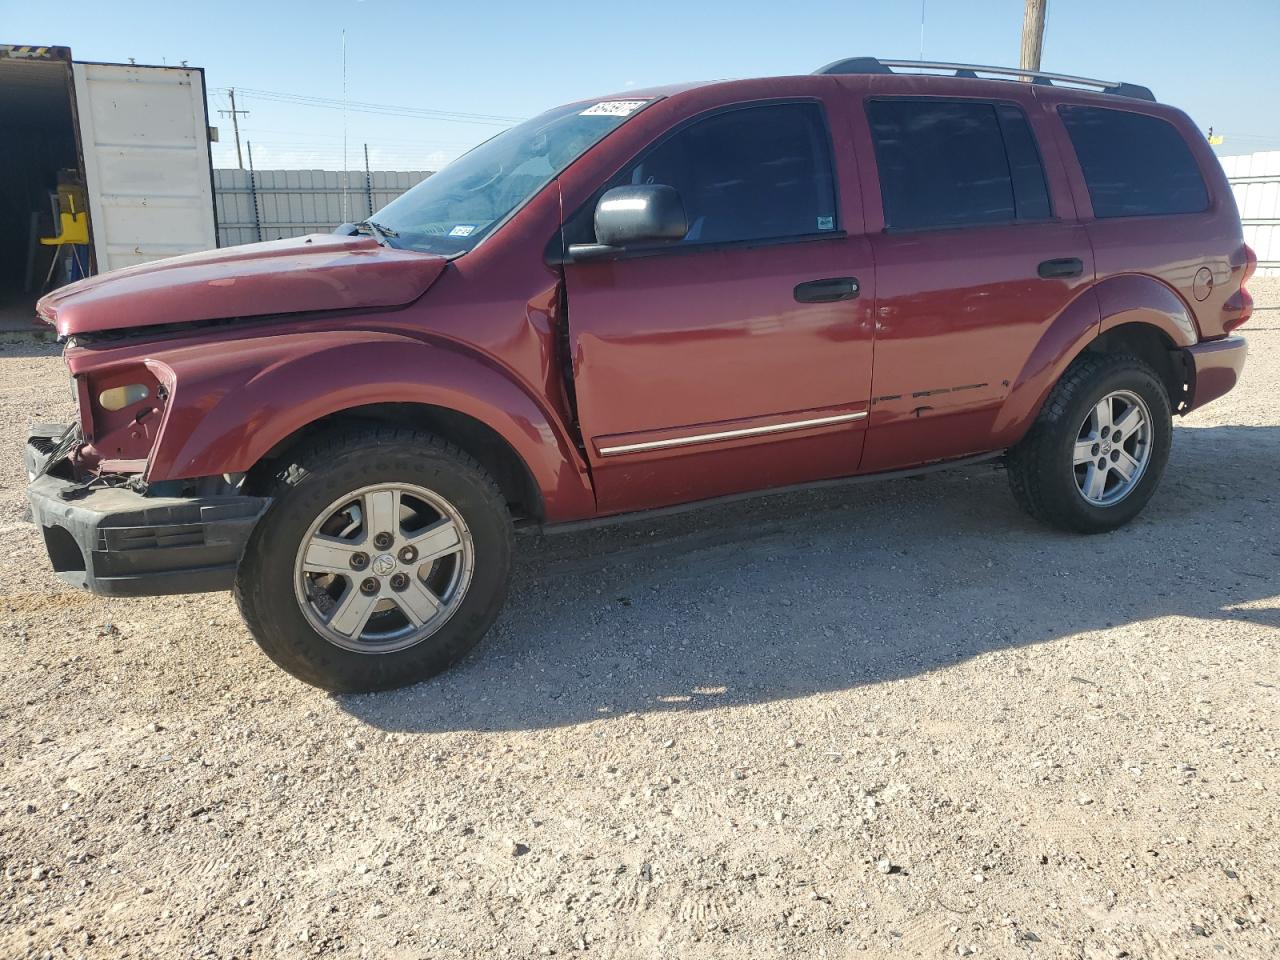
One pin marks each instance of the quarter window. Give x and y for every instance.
(1030, 196)
(754, 173)
(1134, 165)
(956, 163)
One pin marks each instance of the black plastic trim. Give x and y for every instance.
(827, 290)
(118, 542)
(1061, 268)
(574, 526)
(598, 252)
(853, 65)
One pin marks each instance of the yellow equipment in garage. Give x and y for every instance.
(73, 221)
(73, 230)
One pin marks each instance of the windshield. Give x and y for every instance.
(451, 211)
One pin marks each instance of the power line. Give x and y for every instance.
(385, 109)
(268, 135)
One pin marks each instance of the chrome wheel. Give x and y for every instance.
(384, 567)
(1112, 448)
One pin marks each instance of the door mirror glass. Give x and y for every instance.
(641, 214)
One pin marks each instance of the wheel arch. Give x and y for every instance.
(1152, 344)
(490, 449)
(232, 410)
(1130, 312)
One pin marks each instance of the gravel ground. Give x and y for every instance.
(895, 718)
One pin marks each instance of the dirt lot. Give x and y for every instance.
(893, 719)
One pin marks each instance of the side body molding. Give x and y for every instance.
(245, 401)
(1110, 303)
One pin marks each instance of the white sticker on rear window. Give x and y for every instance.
(826, 223)
(463, 230)
(613, 108)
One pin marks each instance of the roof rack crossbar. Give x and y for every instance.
(971, 70)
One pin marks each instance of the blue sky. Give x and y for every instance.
(514, 59)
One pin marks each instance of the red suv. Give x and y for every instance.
(640, 301)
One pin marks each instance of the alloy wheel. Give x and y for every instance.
(1112, 448)
(384, 567)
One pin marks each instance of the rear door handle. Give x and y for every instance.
(1062, 267)
(827, 291)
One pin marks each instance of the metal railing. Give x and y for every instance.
(1247, 222)
(972, 70)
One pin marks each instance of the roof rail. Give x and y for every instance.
(972, 70)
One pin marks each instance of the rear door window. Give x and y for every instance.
(752, 173)
(951, 163)
(1134, 165)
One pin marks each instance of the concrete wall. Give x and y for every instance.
(291, 203)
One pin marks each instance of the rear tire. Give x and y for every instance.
(383, 558)
(1069, 472)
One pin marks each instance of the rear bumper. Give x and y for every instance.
(117, 542)
(1217, 365)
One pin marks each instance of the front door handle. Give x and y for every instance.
(827, 291)
(1061, 268)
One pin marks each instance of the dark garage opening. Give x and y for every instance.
(37, 140)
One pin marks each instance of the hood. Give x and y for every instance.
(295, 275)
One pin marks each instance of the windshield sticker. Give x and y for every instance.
(613, 108)
(463, 230)
(826, 223)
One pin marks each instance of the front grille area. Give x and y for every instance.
(45, 445)
(151, 538)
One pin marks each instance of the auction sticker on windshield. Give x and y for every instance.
(463, 230)
(613, 108)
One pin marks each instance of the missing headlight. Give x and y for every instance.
(117, 398)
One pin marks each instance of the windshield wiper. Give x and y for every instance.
(380, 233)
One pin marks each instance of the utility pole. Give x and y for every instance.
(369, 181)
(1032, 34)
(234, 114)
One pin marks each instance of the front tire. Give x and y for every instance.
(1097, 450)
(383, 558)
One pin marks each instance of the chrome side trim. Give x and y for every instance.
(731, 434)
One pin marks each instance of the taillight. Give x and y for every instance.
(1239, 306)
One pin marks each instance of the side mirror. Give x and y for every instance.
(636, 215)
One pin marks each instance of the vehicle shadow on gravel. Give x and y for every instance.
(793, 595)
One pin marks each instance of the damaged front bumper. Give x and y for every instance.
(116, 541)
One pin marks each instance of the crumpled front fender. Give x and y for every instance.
(229, 407)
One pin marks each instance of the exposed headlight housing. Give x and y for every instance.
(125, 407)
(117, 398)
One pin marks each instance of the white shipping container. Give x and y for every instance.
(129, 142)
(145, 145)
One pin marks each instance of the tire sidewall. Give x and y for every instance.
(1060, 462)
(265, 583)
